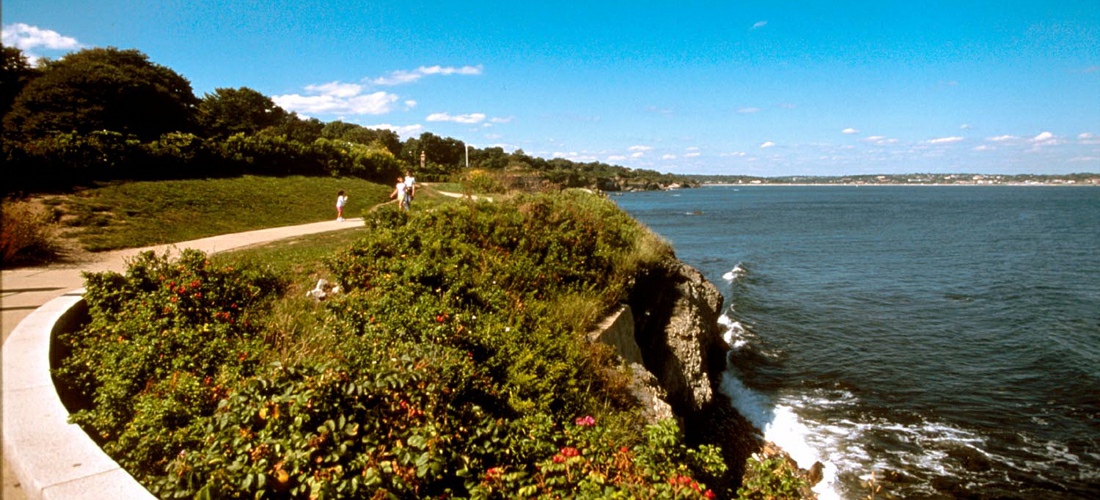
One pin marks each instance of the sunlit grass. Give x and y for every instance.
(136, 214)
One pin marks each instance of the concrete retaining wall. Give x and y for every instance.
(52, 458)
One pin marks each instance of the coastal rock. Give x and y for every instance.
(646, 389)
(678, 333)
(617, 331)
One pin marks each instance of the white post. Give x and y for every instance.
(467, 148)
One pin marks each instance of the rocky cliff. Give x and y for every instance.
(676, 313)
(669, 336)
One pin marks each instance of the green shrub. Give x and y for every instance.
(444, 374)
(162, 341)
(771, 478)
(481, 181)
(27, 233)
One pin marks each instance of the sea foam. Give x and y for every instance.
(779, 423)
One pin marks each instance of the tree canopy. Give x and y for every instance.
(230, 111)
(104, 89)
(15, 74)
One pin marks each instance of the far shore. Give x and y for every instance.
(951, 184)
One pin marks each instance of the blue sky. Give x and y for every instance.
(752, 88)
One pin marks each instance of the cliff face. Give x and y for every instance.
(675, 312)
(677, 330)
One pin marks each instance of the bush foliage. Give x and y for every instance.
(27, 233)
(449, 370)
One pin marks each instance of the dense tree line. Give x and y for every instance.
(107, 114)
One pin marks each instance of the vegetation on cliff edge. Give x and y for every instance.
(455, 365)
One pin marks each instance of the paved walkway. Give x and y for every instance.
(24, 290)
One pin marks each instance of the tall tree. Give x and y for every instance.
(229, 111)
(14, 75)
(382, 138)
(296, 129)
(104, 89)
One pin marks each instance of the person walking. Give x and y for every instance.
(410, 185)
(341, 201)
(401, 193)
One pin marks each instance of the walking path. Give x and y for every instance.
(24, 290)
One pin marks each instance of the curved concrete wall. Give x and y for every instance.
(52, 458)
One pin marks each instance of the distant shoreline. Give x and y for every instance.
(897, 184)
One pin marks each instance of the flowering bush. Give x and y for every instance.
(448, 374)
(164, 340)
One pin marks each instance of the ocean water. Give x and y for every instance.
(945, 338)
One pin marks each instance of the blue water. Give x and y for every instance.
(945, 338)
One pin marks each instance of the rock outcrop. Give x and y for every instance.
(669, 337)
(676, 327)
(677, 331)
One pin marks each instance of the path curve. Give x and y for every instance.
(24, 292)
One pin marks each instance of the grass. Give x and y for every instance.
(294, 320)
(135, 214)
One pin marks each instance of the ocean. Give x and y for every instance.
(945, 338)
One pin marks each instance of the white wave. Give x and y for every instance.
(781, 425)
(735, 334)
(734, 273)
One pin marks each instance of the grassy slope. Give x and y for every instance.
(145, 213)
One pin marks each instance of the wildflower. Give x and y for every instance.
(586, 421)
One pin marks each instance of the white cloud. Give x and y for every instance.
(575, 156)
(767, 144)
(668, 157)
(506, 119)
(759, 24)
(336, 89)
(468, 119)
(692, 154)
(639, 154)
(945, 140)
(879, 140)
(1088, 138)
(400, 77)
(849, 131)
(31, 38)
(737, 154)
(403, 130)
(984, 147)
(615, 158)
(26, 37)
(641, 149)
(1002, 138)
(748, 111)
(1045, 139)
(410, 104)
(965, 126)
(377, 103)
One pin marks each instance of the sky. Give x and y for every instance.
(703, 87)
